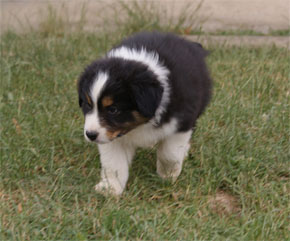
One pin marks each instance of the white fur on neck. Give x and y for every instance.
(150, 59)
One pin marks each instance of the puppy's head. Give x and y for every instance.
(117, 96)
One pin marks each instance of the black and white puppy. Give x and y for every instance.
(148, 90)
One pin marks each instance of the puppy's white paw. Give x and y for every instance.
(169, 171)
(109, 188)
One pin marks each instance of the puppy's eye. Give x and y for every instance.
(112, 110)
(89, 106)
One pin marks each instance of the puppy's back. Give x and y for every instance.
(189, 78)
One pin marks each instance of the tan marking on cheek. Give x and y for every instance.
(112, 134)
(124, 128)
(88, 99)
(107, 101)
(139, 118)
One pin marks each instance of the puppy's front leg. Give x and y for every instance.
(115, 160)
(171, 153)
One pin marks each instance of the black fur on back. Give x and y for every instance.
(189, 78)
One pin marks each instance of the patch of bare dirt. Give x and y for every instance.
(224, 204)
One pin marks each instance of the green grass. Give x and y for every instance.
(245, 32)
(240, 150)
(280, 32)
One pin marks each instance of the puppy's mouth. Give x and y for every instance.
(101, 141)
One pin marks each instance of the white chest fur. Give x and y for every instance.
(147, 135)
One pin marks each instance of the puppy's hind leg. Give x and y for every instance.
(171, 153)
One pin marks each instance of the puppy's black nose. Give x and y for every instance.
(92, 135)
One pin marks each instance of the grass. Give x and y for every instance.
(239, 32)
(235, 181)
(280, 32)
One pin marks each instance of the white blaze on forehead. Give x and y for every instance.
(150, 59)
(92, 121)
(98, 85)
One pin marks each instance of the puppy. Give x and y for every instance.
(148, 90)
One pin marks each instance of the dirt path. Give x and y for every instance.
(258, 15)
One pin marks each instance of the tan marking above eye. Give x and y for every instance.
(107, 101)
(88, 99)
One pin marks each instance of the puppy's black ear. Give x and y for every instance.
(147, 93)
